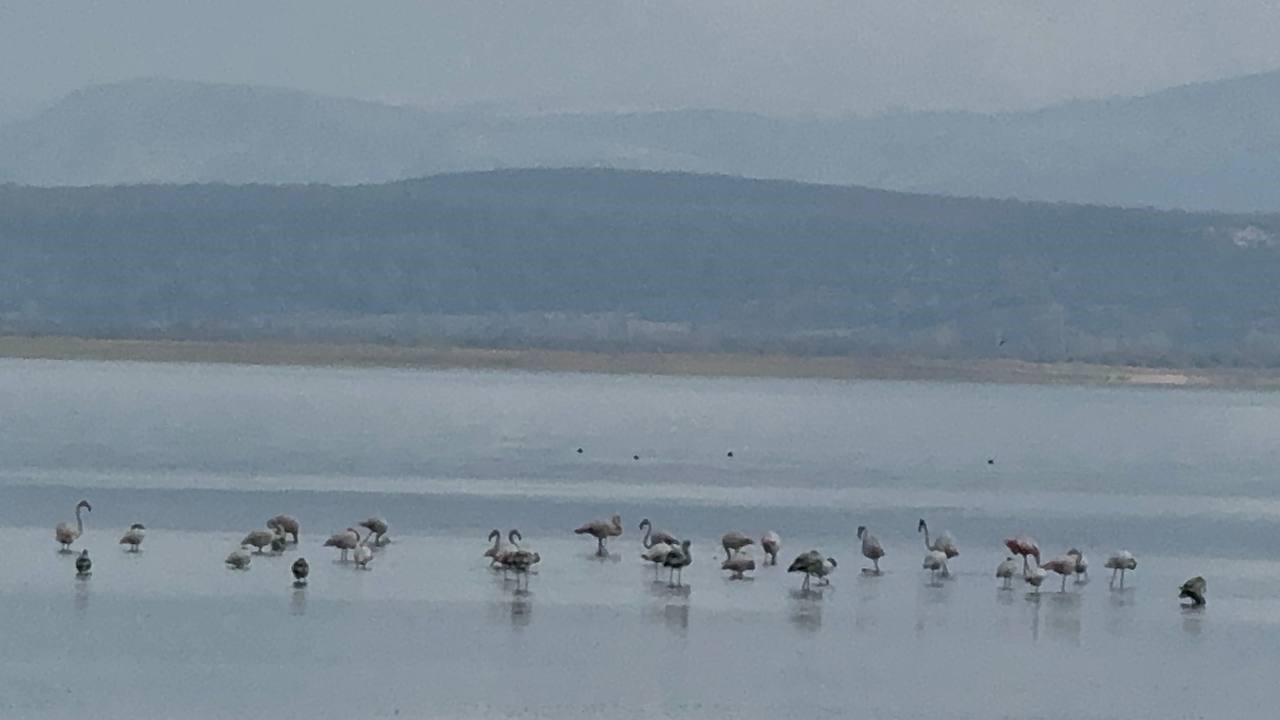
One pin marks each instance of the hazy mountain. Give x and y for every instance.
(597, 257)
(1205, 146)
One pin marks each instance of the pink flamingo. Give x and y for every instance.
(1025, 546)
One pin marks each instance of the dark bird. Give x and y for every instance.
(83, 564)
(1193, 590)
(300, 570)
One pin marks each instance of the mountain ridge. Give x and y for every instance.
(1201, 146)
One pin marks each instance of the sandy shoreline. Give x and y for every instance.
(270, 352)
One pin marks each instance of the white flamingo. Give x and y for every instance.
(943, 542)
(344, 541)
(657, 554)
(1005, 571)
(1034, 575)
(259, 539)
(935, 561)
(772, 545)
(1064, 565)
(871, 548)
(363, 553)
(133, 536)
(239, 560)
(601, 531)
(66, 534)
(1121, 561)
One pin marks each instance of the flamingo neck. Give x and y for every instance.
(79, 521)
(648, 531)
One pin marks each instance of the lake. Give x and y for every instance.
(201, 454)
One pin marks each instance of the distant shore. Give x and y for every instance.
(271, 352)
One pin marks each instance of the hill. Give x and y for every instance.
(1206, 146)
(601, 259)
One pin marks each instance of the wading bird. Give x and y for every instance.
(601, 531)
(1005, 571)
(771, 544)
(733, 542)
(1121, 561)
(812, 564)
(652, 536)
(133, 536)
(943, 542)
(287, 524)
(739, 563)
(871, 548)
(238, 560)
(66, 534)
(935, 561)
(1025, 546)
(377, 526)
(1193, 590)
(344, 541)
(676, 561)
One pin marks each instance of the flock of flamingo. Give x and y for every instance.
(661, 549)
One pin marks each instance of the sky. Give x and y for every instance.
(790, 58)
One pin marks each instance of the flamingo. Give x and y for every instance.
(1193, 590)
(259, 539)
(286, 523)
(676, 561)
(1064, 565)
(238, 560)
(657, 554)
(300, 569)
(513, 544)
(520, 561)
(83, 564)
(278, 542)
(133, 536)
(771, 544)
(944, 541)
(601, 531)
(1034, 575)
(65, 534)
(812, 564)
(740, 562)
(935, 561)
(363, 553)
(378, 526)
(344, 541)
(1025, 546)
(1121, 561)
(495, 535)
(734, 541)
(871, 548)
(1005, 571)
(1082, 566)
(652, 536)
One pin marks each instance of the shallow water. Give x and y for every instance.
(202, 454)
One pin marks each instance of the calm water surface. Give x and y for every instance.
(203, 453)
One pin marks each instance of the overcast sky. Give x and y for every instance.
(790, 57)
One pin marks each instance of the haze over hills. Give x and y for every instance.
(1205, 146)
(605, 258)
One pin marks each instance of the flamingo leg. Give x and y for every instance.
(876, 562)
(1064, 584)
(1122, 578)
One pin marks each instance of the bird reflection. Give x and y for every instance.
(81, 598)
(298, 601)
(1192, 619)
(1063, 615)
(806, 609)
(521, 608)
